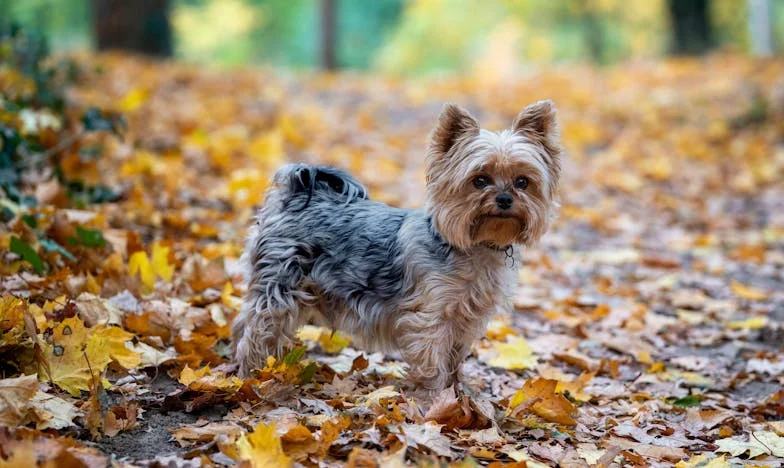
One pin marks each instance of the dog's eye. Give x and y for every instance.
(521, 183)
(481, 182)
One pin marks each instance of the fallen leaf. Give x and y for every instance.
(759, 443)
(427, 436)
(753, 323)
(514, 354)
(15, 395)
(747, 292)
(262, 448)
(540, 397)
(203, 431)
(703, 461)
(375, 396)
(53, 412)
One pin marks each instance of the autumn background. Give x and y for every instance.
(136, 138)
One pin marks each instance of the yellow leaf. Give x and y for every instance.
(133, 99)
(189, 375)
(575, 387)
(753, 323)
(228, 299)
(309, 333)
(206, 381)
(12, 329)
(67, 362)
(76, 355)
(331, 341)
(747, 292)
(141, 264)
(160, 262)
(262, 448)
(111, 340)
(702, 461)
(499, 330)
(514, 354)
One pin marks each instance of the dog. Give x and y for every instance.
(420, 282)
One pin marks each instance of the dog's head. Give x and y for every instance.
(493, 188)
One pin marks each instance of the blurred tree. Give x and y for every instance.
(328, 32)
(140, 26)
(691, 26)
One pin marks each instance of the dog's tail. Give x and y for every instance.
(303, 179)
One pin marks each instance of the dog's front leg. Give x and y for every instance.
(429, 353)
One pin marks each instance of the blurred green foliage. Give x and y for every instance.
(409, 36)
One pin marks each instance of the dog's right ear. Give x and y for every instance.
(453, 124)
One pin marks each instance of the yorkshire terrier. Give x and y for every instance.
(420, 282)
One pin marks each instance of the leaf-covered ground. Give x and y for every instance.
(649, 325)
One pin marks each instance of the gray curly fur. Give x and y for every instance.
(327, 254)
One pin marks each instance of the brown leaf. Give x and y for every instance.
(540, 397)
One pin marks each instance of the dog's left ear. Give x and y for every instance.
(538, 123)
(454, 123)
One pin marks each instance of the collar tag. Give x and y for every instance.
(509, 260)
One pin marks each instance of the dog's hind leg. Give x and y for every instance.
(274, 305)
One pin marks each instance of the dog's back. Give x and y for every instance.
(318, 242)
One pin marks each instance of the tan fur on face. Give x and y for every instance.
(459, 151)
(497, 231)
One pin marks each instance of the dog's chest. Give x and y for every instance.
(466, 291)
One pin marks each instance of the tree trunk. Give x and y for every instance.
(691, 27)
(140, 26)
(760, 27)
(328, 31)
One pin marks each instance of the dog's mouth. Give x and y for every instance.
(498, 216)
(497, 227)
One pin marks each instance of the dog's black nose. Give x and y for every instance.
(504, 201)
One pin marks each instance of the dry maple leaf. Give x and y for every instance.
(448, 411)
(53, 412)
(12, 327)
(76, 355)
(513, 354)
(262, 448)
(540, 397)
(15, 395)
(148, 269)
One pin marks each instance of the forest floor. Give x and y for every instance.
(648, 326)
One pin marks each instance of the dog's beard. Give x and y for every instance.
(497, 230)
